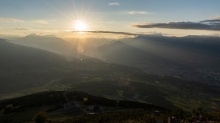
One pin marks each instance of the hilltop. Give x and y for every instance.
(53, 103)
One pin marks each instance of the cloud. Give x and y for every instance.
(215, 19)
(114, 4)
(138, 12)
(39, 21)
(109, 32)
(182, 25)
(10, 20)
(21, 29)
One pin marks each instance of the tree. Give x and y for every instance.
(178, 113)
(40, 117)
(216, 115)
(7, 110)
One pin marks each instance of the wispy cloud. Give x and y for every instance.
(10, 20)
(21, 29)
(138, 12)
(211, 24)
(214, 19)
(114, 4)
(39, 21)
(109, 32)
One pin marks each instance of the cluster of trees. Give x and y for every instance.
(34, 100)
(146, 115)
(100, 101)
(196, 115)
(40, 117)
(95, 100)
(132, 104)
(57, 98)
(55, 108)
(202, 115)
(141, 116)
(11, 110)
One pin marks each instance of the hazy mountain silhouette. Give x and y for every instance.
(50, 43)
(189, 50)
(121, 51)
(23, 67)
(15, 56)
(67, 47)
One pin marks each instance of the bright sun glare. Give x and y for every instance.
(80, 25)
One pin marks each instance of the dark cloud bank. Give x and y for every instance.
(211, 24)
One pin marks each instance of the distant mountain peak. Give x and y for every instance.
(36, 35)
(118, 42)
(2, 40)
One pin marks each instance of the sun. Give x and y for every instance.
(80, 25)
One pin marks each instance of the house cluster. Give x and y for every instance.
(156, 113)
(95, 110)
(72, 106)
(173, 120)
(75, 106)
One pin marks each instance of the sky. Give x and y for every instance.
(58, 17)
